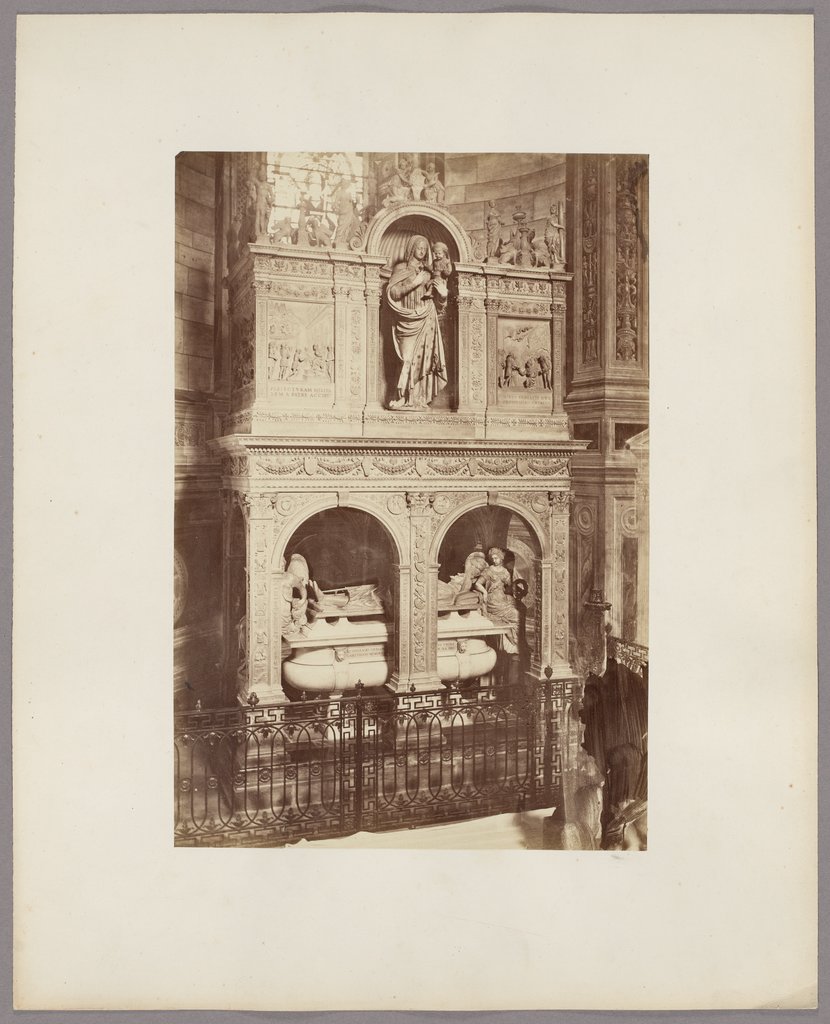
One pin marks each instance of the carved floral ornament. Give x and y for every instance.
(190, 433)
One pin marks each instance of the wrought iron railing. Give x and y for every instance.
(274, 773)
(626, 652)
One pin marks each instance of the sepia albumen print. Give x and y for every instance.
(411, 526)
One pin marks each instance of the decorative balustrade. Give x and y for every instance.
(625, 652)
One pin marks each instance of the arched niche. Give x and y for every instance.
(348, 632)
(428, 218)
(527, 546)
(481, 520)
(345, 547)
(388, 237)
(495, 526)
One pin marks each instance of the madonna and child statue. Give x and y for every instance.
(416, 295)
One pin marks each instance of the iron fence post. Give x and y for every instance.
(343, 761)
(358, 759)
(548, 751)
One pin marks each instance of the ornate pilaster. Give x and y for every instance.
(372, 295)
(628, 277)
(588, 316)
(350, 332)
(472, 342)
(341, 292)
(492, 307)
(418, 620)
(559, 520)
(558, 332)
(258, 511)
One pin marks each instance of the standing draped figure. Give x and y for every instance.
(494, 582)
(416, 332)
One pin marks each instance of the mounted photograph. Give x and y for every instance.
(411, 558)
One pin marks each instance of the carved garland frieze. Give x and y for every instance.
(426, 466)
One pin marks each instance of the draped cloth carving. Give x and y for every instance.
(412, 294)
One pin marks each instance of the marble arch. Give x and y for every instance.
(384, 220)
(325, 502)
(480, 501)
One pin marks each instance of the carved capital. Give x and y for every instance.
(419, 503)
(560, 502)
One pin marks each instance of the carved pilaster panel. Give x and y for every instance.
(420, 540)
(627, 262)
(538, 615)
(558, 349)
(560, 507)
(243, 337)
(403, 621)
(341, 340)
(424, 580)
(590, 261)
(259, 530)
(464, 304)
(492, 307)
(372, 332)
(546, 626)
(477, 354)
(357, 357)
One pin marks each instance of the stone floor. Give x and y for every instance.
(516, 831)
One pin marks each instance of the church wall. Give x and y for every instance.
(198, 515)
(195, 230)
(529, 181)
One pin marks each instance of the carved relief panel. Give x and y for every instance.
(523, 363)
(300, 353)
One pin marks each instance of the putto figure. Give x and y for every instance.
(416, 333)
(555, 236)
(433, 187)
(262, 198)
